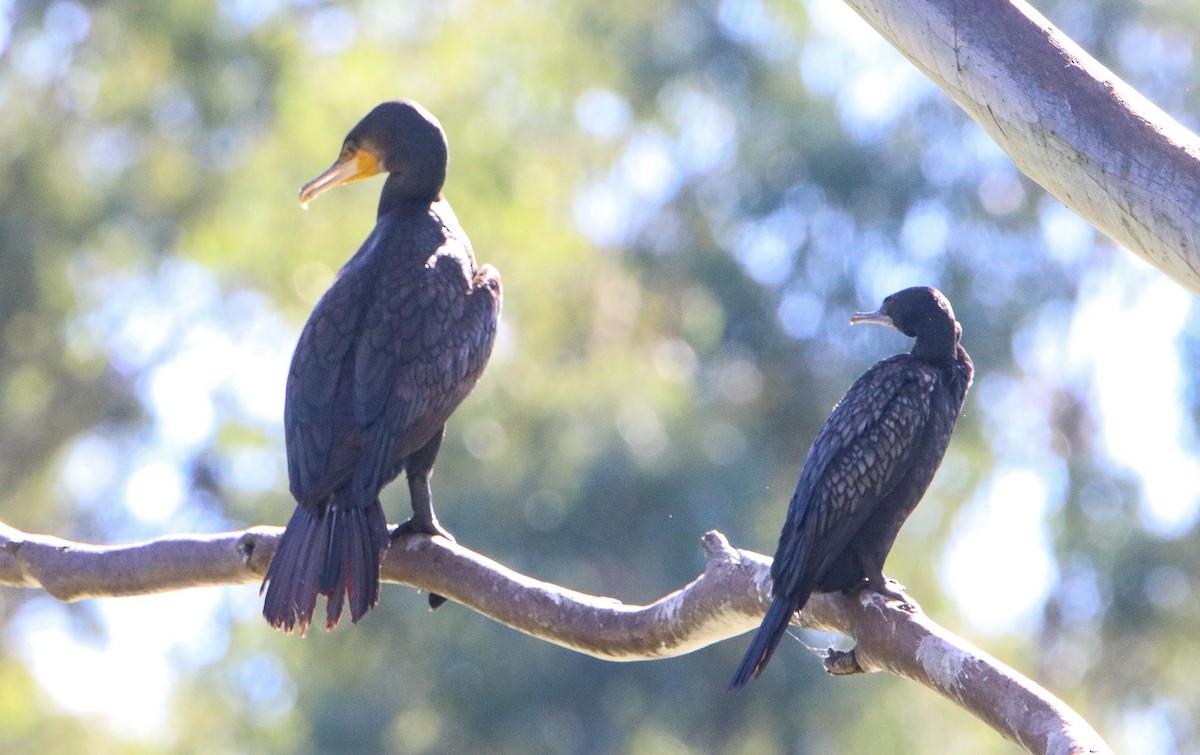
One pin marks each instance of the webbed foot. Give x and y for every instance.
(414, 527)
(432, 529)
(893, 591)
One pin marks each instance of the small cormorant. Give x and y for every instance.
(868, 467)
(392, 348)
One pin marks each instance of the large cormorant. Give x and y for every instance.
(868, 467)
(392, 348)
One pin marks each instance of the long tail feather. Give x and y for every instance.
(353, 569)
(334, 555)
(367, 545)
(291, 581)
(332, 570)
(762, 647)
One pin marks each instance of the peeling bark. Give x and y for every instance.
(727, 599)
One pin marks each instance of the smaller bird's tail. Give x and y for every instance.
(336, 554)
(766, 639)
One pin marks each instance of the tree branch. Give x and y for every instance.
(727, 599)
(1067, 122)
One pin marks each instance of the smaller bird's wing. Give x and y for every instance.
(854, 463)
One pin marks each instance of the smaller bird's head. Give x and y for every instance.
(921, 312)
(911, 311)
(398, 137)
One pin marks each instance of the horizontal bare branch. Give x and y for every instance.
(1067, 122)
(727, 599)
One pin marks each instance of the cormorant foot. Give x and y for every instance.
(894, 591)
(412, 527)
(433, 529)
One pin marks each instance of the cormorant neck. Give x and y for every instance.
(400, 189)
(938, 341)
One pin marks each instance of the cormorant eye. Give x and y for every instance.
(348, 150)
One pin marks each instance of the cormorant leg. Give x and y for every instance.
(418, 469)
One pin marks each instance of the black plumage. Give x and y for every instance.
(868, 467)
(392, 348)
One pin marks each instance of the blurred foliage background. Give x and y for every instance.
(686, 200)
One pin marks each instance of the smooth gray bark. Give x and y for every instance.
(1067, 122)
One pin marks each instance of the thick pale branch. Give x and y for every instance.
(1066, 121)
(908, 643)
(727, 599)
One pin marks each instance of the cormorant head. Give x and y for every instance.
(920, 312)
(398, 137)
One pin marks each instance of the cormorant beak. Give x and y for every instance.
(349, 167)
(874, 318)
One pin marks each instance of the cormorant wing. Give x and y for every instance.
(318, 428)
(857, 459)
(422, 348)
